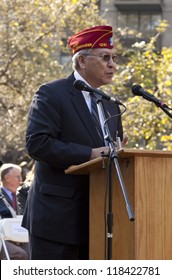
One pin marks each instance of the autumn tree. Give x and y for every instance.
(33, 36)
(146, 125)
(34, 50)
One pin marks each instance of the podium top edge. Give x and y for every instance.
(96, 164)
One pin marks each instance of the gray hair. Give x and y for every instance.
(75, 63)
(6, 167)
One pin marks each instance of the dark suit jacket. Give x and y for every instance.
(4, 210)
(61, 133)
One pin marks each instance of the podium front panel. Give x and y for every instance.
(148, 182)
(123, 228)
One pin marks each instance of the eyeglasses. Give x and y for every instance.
(105, 57)
(18, 177)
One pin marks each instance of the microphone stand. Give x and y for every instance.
(112, 157)
(165, 110)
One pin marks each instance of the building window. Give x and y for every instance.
(143, 22)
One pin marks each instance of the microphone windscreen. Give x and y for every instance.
(79, 84)
(136, 90)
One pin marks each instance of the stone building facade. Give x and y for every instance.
(142, 15)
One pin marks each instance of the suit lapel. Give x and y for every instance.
(6, 196)
(81, 107)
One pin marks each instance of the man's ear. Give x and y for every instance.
(7, 177)
(81, 61)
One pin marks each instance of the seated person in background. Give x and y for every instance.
(22, 192)
(10, 181)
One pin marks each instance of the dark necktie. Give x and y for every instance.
(13, 202)
(95, 116)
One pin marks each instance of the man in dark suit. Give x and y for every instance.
(10, 180)
(60, 133)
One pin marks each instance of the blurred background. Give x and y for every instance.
(34, 50)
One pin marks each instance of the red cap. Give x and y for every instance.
(94, 37)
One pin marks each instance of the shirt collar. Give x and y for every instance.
(85, 93)
(8, 192)
(79, 77)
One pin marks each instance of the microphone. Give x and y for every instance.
(83, 86)
(138, 90)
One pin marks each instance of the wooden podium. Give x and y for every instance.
(148, 180)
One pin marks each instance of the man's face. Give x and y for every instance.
(13, 179)
(99, 66)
